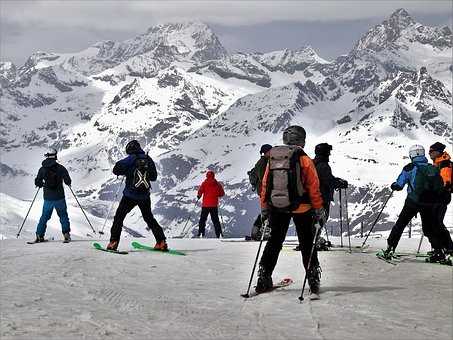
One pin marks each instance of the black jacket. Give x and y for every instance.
(57, 193)
(260, 169)
(327, 182)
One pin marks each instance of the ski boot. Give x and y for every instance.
(264, 282)
(113, 245)
(436, 256)
(162, 246)
(314, 279)
(67, 237)
(389, 253)
(40, 238)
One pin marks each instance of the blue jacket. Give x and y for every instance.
(126, 167)
(407, 176)
(57, 193)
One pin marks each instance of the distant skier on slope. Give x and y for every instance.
(51, 176)
(256, 177)
(139, 170)
(441, 159)
(423, 195)
(290, 190)
(210, 190)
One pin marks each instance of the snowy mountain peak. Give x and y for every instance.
(399, 30)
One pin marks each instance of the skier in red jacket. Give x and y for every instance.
(211, 190)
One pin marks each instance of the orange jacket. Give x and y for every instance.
(310, 183)
(443, 163)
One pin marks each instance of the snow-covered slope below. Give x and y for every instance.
(60, 291)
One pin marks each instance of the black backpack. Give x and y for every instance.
(141, 174)
(52, 179)
(284, 191)
(429, 186)
(254, 179)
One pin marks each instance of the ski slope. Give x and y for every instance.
(71, 291)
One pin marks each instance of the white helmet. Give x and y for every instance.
(416, 150)
(51, 153)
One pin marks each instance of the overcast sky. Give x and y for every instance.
(331, 27)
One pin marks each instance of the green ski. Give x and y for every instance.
(137, 245)
(99, 247)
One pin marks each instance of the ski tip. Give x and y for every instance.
(101, 233)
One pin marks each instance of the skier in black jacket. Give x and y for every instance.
(139, 170)
(328, 183)
(51, 176)
(256, 176)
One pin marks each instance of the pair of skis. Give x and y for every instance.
(139, 246)
(396, 258)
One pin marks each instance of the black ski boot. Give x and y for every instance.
(264, 282)
(67, 238)
(389, 253)
(314, 279)
(437, 255)
(39, 239)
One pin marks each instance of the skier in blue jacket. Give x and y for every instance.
(415, 204)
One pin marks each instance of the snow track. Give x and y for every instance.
(71, 291)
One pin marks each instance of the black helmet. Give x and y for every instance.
(133, 147)
(51, 153)
(265, 148)
(294, 135)
(323, 149)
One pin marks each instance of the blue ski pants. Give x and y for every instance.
(47, 209)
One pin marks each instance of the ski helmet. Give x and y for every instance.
(133, 147)
(323, 149)
(416, 150)
(294, 135)
(51, 153)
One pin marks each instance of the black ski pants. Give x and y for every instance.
(214, 212)
(279, 223)
(446, 241)
(125, 206)
(430, 225)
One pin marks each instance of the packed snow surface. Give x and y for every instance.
(72, 291)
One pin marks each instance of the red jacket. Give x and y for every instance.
(211, 190)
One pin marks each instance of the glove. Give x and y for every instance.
(198, 197)
(396, 187)
(265, 212)
(343, 184)
(321, 216)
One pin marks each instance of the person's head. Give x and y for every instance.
(323, 149)
(133, 147)
(210, 174)
(415, 151)
(51, 153)
(436, 150)
(294, 135)
(265, 148)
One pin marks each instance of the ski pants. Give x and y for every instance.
(279, 223)
(47, 209)
(430, 225)
(446, 241)
(125, 206)
(214, 212)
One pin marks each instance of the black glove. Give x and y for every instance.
(198, 197)
(265, 212)
(395, 186)
(39, 183)
(343, 184)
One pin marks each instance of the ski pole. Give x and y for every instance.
(347, 218)
(111, 206)
(317, 229)
(33, 201)
(420, 244)
(264, 226)
(377, 218)
(221, 219)
(341, 221)
(183, 232)
(94, 231)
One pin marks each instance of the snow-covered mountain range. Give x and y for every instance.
(195, 107)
